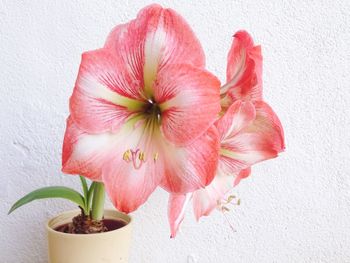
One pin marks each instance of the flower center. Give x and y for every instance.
(151, 117)
(152, 110)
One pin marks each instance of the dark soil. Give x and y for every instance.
(84, 225)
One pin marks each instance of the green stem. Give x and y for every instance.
(90, 195)
(85, 190)
(98, 201)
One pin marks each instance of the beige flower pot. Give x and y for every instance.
(108, 247)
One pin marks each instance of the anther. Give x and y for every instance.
(155, 157)
(142, 156)
(126, 156)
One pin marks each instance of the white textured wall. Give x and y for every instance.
(294, 209)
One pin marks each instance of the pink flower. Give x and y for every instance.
(142, 110)
(243, 72)
(250, 132)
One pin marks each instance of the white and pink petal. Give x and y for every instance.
(242, 175)
(123, 161)
(206, 200)
(128, 187)
(176, 211)
(158, 37)
(238, 116)
(85, 154)
(135, 170)
(189, 100)
(190, 167)
(262, 139)
(104, 95)
(244, 71)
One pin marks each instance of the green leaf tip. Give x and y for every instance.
(50, 192)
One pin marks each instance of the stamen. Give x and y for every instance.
(155, 157)
(228, 222)
(126, 156)
(149, 122)
(231, 200)
(137, 157)
(222, 206)
(142, 156)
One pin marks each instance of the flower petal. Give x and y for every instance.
(131, 179)
(157, 38)
(83, 153)
(127, 187)
(242, 174)
(192, 167)
(261, 140)
(176, 211)
(104, 94)
(238, 116)
(206, 200)
(122, 160)
(189, 101)
(244, 71)
(268, 125)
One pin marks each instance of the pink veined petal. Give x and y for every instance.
(191, 167)
(244, 71)
(189, 100)
(157, 38)
(122, 160)
(84, 154)
(250, 85)
(240, 115)
(127, 187)
(261, 140)
(180, 169)
(242, 175)
(131, 177)
(206, 200)
(176, 211)
(256, 56)
(105, 95)
(267, 122)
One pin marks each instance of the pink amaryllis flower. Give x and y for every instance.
(142, 110)
(250, 132)
(243, 72)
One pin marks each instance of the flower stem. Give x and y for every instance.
(98, 201)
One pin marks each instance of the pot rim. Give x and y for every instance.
(76, 211)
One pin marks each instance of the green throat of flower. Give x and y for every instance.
(150, 117)
(152, 110)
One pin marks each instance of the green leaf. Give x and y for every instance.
(86, 193)
(85, 187)
(50, 192)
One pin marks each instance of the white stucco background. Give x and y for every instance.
(295, 208)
